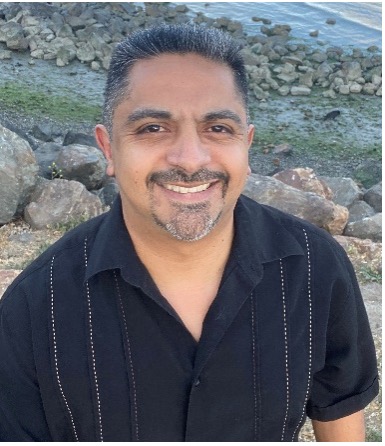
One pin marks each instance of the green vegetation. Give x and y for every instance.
(373, 435)
(25, 100)
(367, 274)
(299, 121)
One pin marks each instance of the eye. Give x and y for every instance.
(220, 129)
(151, 128)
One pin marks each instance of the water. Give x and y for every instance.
(357, 24)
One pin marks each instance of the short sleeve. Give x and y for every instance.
(349, 379)
(22, 415)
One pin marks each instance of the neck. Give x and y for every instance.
(159, 250)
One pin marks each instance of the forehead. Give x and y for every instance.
(177, 76)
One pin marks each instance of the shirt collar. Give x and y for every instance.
(259, 238)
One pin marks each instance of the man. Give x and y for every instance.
(187, 312)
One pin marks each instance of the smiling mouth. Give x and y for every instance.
(187, 190)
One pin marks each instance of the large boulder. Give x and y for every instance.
(85, 164)
(345, 190)
(46, 155)
(374, 197)
(369, 227)
(59, 202)
(305, 179)
(309, 206)
(359, 211)
(18, 174)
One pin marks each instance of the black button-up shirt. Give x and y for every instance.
(91, 351)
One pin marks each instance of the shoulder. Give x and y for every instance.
(271, 219)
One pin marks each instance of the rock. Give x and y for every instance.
(373, 49)
(301, 90)
(369, 88)
(369, 227)
(81, 163)
(292, 60)
(359, 211)
(13, 35)
(5, 55)
(305, 179)
(284, 90)
(64, 56)
(285, 149)
(314, 33)
(351, 70)
(18, 174)
(108, 193)
(323, 71)
(379, 92)
(355, 87)
(79, 138)
(362, 253)
(46, 155)
(376, 80)
(318, 57)
(306, 79)
(259, 93)
(368, 173)
(345, 190)
(374, 197)
(60, 201)
(43, 132)
(331, 21)
(7, 276)
(85, 52)
(306, 205)
(288, 78)
(344, 89)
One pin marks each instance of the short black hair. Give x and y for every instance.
(210, 43)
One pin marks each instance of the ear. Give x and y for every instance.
(103, 139)
(250, 135)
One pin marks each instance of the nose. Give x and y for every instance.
(188, 152)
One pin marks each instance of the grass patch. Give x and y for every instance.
(25, 100)
(299, 121)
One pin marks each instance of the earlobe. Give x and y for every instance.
(103, 139)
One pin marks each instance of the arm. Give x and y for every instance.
(350, 428)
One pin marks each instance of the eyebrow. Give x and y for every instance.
(144, 113)
(222, 114)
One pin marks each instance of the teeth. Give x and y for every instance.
(187, 190)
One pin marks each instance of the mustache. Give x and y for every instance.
(179, 176)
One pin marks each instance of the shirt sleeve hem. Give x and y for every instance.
(345, 407)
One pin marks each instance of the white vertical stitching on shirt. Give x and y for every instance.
(254, 365)
(93, 348)
(135, 402)
(55, 352)
(287, 378)
(310, 333)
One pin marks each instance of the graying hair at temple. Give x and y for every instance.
(175, 39)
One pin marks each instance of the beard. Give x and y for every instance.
(188, 222)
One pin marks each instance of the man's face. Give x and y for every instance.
(179, 147)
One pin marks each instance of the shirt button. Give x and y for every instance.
(197, 382)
